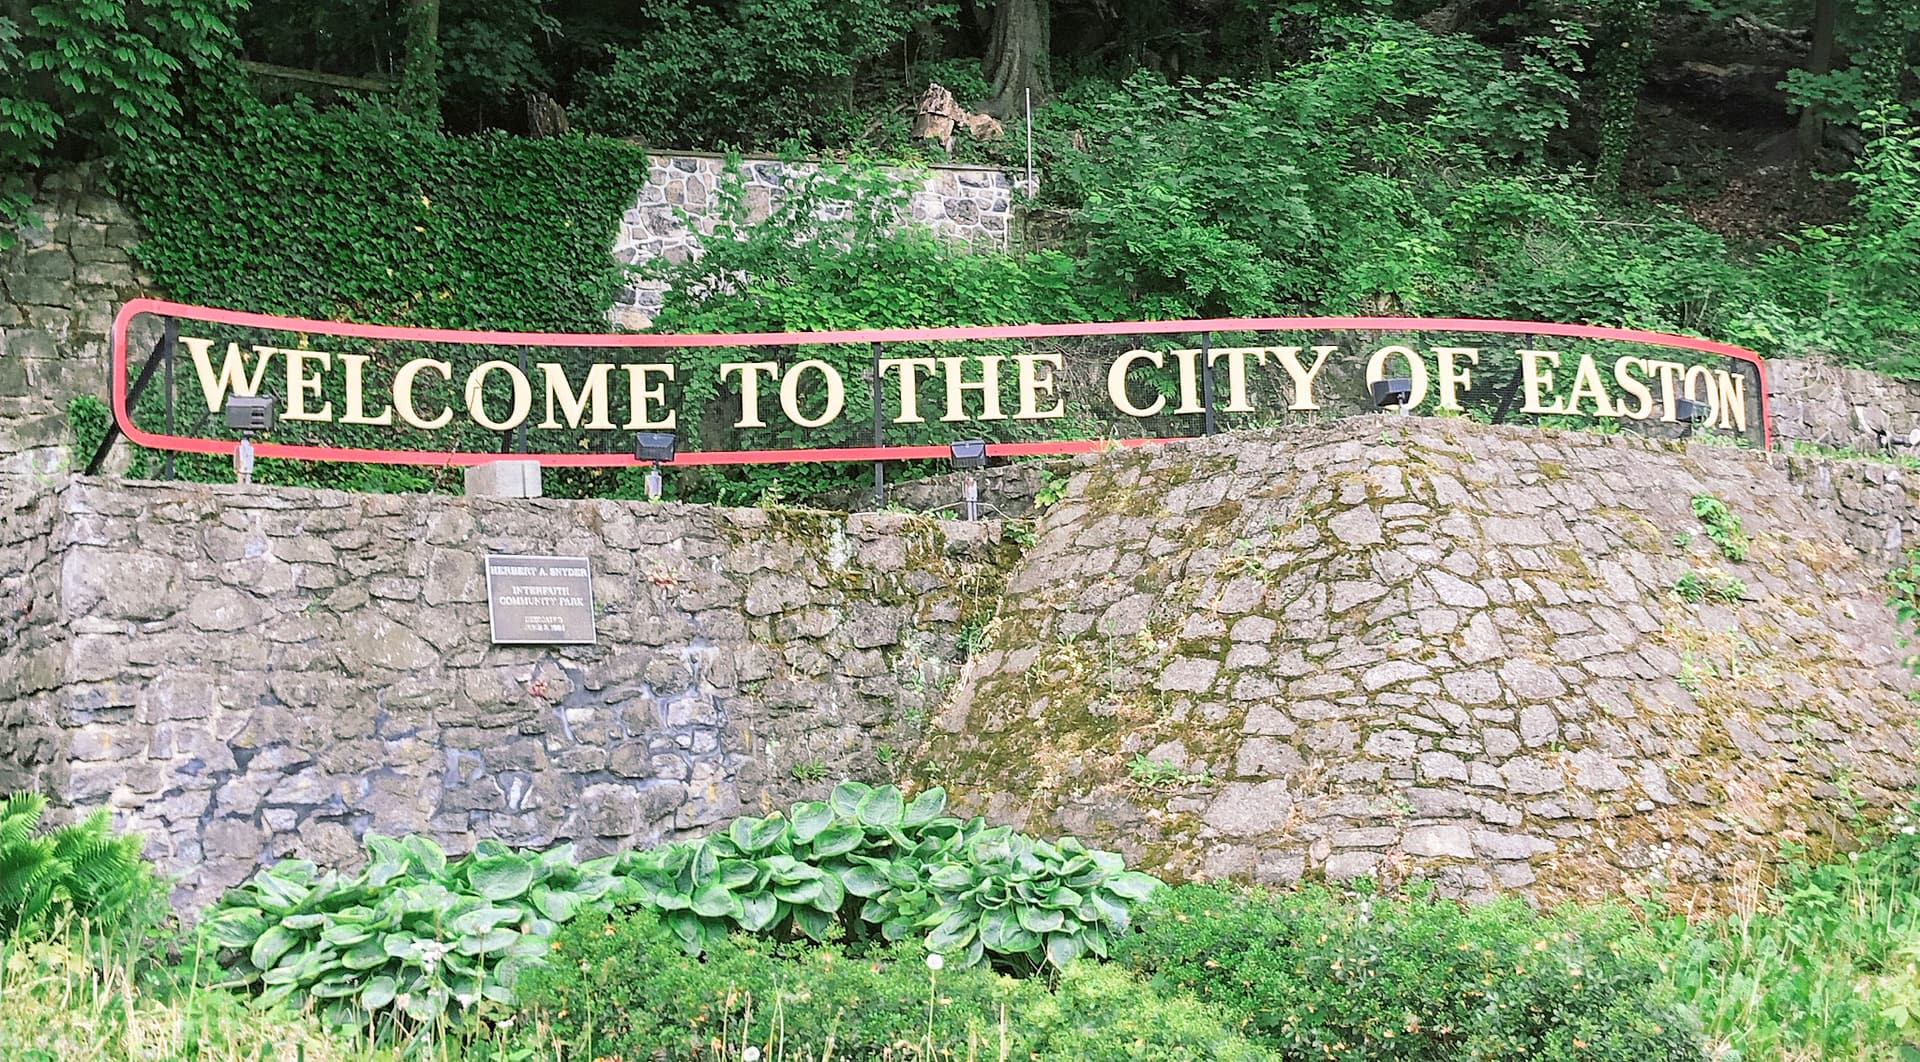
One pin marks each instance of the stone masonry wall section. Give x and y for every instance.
(971, 204)
(247, 674)
(1845, 409)
(1386, 647)
(60, 285)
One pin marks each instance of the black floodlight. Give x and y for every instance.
(655, 446)
(250, 413)
(1391, 392)
(969, 453)
(1688, 410)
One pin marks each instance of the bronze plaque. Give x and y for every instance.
(540, 600)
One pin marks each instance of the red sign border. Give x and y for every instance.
(186, 444)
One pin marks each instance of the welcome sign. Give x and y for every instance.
(448, 394)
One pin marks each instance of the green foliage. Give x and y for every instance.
(873, 862)
(82, 871)
(1903, 594)
(1722, 526)
(417, 940)
(413, 939)
(64, 1002)
(1697, 586)
(623, 989)
(1415, 978)
(1851, 289)
(86, 77)
(364, 214)
(832, 252)
(1823, 969)
(759, 71)
(1161, 774)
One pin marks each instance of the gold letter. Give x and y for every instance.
(957, 386)
(1302, 378)
(1189, 381)
(910, 370)
(1586, 383)
(1633, 386)
(574, 405)
(232, 371)
(1697, 375)
(1732, 399)
(299, 385)
(1033, 385)
(749, 389)
(476, 401)
(1416, 371)
(1237, 401)
(1117, 383)
(790, 393)
(1451, 380)
(639, 394)
(1533, 380)
(356, 407)
(403, 392)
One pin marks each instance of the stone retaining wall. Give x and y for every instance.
(1392, 647)
(1845, 409)
(245, 674)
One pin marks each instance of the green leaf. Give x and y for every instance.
(1132, 885)
(272, 945)
(379, 992)
(501, 878)
(556, 904)
(814, 923)
(715, 901)
(809, 819)
(864, 880)
(925, 808)
(837, 840)
(846, 798)
(756, 835)
(758, 912)
(881, 807)
(428, 858)
(1040, 919)
(1063, 948)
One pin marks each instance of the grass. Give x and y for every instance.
(75, 996)
(1827, 970)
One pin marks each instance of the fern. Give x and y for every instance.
(83, 870)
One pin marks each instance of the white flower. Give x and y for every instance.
(934, 961)
(751, 1054)
(1908, 830)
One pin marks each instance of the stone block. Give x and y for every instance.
(504, 479)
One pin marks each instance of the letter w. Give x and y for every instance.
(233, 371)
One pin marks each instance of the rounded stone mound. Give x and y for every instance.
(1399, 647)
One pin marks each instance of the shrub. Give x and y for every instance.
(877, 864)
(1415, 978)
(624, 989)
(80, 871)
(410, 938)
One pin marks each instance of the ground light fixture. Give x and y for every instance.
(969, 455)
(1394, 391)
(248, 414)
(1689, 411)
(654, 446)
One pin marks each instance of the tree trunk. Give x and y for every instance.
(1812, 126)
(1017, 56)
(420, 80)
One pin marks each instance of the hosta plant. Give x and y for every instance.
(877, 863)
(414, 933)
